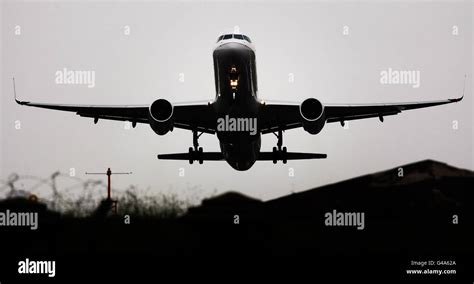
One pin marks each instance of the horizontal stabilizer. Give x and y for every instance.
(209, 156)
(263, 156)
(268, 156)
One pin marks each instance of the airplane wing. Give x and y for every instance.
(123, 113)
(189, 117)
(338, 113)
(284, 116)
(195, 115)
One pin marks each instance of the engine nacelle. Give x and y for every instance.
(160, 116)
(313, 116)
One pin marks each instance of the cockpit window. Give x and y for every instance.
(229, 36)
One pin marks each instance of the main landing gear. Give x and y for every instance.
(279, 152)
(196, 153)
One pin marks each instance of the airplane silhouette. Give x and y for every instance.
(237, 102)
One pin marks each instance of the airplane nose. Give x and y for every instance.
(232, 45)
(232, 48)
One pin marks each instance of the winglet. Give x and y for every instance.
(463, 89)
(14, 91)
(14, 94)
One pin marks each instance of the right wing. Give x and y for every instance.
(284, 116)
(340, 113)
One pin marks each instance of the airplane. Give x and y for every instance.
(235, 77)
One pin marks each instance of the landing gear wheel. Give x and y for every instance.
(275, 155)
(196, 152)
(279, 152)
(191, 155)
(200, 155)
(284, 156)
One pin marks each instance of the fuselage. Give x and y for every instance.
(236, 99)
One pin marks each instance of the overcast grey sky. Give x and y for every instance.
(166, 39)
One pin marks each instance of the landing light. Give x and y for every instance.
(233, 77)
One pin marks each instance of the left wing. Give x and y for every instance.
(189, 117)
(124, 113)
(284, 116)
(195, 115)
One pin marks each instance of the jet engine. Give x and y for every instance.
(313, 116)
(160, 116)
